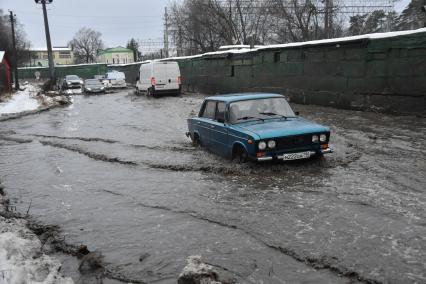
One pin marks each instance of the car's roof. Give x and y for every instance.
(243, 97)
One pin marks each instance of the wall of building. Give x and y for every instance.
(116, 58)
(384, 74)
(60, 57)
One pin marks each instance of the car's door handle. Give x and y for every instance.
(198, 122)
(211, 126)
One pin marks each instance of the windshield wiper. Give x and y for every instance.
(249, 117)
(272, 113)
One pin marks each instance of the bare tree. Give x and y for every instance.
(204, 25)
(86, 44)
(22, 44)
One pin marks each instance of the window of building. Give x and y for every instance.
(232, 71)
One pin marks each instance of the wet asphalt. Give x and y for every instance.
(117, 173)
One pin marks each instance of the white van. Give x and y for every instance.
(159, 77)
(115, 79)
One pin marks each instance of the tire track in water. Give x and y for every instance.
(85, 139)
(97, 157)
(175, 168)
(328, 263)
(15, 139)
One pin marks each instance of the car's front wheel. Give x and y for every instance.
(196, 141)
(240, 155)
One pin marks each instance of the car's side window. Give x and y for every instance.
(220, 113)
(209, 110)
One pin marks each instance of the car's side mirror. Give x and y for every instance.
(297, 113)
(221, 120)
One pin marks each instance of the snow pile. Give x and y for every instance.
(21, 259)
(21, 101)
(198, 272)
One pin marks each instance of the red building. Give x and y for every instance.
(5, 80)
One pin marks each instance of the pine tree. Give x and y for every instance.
(133, 45)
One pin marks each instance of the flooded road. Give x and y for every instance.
(117, 173)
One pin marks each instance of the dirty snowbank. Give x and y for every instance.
(21, 256)
(30, 100)
(21, 101)
(21, 259)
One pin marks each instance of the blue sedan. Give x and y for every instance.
(256, 126)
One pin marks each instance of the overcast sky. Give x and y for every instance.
(118, 21)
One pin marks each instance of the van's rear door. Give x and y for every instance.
(166, 75)
(160, 75)
(173, 74)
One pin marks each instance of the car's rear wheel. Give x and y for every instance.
(240, 154)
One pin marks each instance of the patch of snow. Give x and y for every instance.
(61, 66)
(53, 49)
(73, 91)
(1, 55)
(21, 259)
(21, 101)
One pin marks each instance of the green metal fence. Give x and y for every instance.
(85, 71)
(387, 74)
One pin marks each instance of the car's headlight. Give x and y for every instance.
(69, 83)
(89, 89)
(262, 145)
(272, 144)
(315, 138)
(81, 82)
(323, 138)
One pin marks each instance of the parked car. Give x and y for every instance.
(93, 86)
(158, 78)
(115, 79)
(72, 82)
(256, 126)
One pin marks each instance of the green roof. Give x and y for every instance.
(115, 50)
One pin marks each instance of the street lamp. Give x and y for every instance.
(48, 42)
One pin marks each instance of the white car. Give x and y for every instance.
(115, 79)
(159, 77)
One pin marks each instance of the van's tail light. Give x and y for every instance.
(179, 80)
(153, 82)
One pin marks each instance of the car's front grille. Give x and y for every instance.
(296, 141)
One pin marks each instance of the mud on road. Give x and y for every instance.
(117, 174)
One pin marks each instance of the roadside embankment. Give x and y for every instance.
(30, 100)
(22, 259)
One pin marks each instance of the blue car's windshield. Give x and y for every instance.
(259, 109)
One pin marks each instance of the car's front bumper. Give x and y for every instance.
(281, 156)
(94, 90)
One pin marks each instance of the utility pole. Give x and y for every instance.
(166, 33)
(328, 17)
(48, 42)
(15, 61)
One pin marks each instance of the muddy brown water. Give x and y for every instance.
(117, 173)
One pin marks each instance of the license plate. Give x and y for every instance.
(296, 156)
